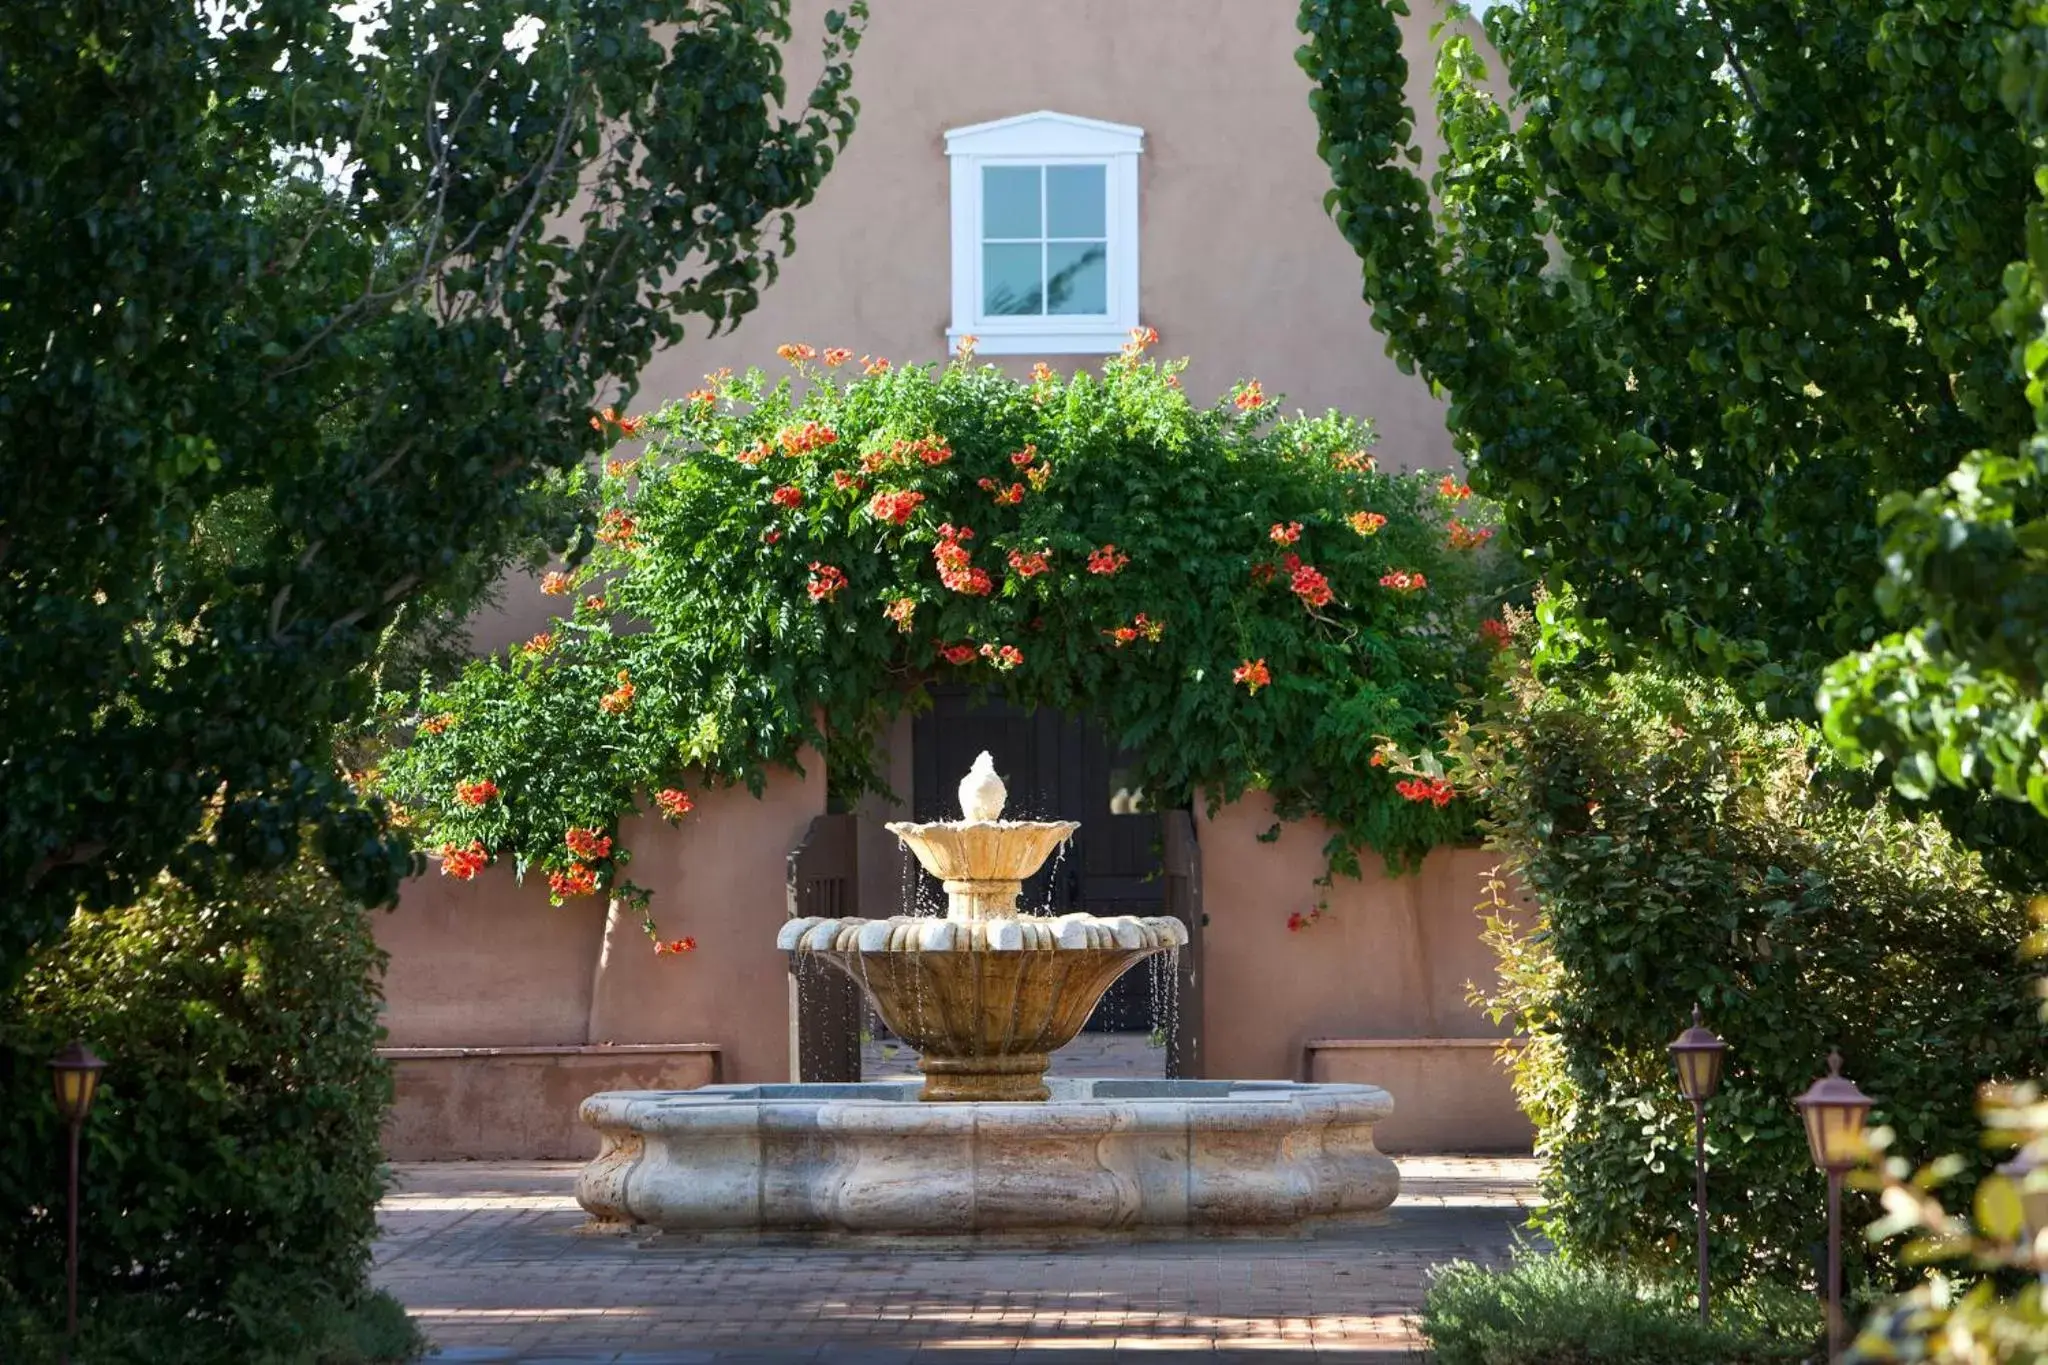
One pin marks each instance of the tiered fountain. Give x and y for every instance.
(987, 1144)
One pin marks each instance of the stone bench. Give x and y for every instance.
(520, 1103)
(1450, 1094)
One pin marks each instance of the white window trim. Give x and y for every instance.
(1045, 139)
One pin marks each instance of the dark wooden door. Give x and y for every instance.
(1056, 768)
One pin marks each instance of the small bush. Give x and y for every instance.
(1544, 1311)
(1682, 849)
(231, 1163)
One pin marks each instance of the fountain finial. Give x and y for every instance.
(982, 793)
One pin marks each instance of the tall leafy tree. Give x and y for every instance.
(297, 305)
(1722, 282)
(1956, 697)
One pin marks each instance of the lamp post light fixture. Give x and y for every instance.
(1834, 1111)
(75, 1074)
(1698, 1054)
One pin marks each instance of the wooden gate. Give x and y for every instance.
(825, 1005)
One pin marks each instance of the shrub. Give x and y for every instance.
(1681, 849)
(1240, 601)
(231, 1164)
(1541, 1311)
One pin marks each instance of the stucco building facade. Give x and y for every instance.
(1041, 174)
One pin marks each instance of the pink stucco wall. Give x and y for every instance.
(491, 964)
(1241, 267)
(1391, 958)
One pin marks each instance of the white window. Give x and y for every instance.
(1045, 235)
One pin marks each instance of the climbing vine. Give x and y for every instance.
(1243, 601)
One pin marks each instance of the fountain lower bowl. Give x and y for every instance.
(1132, 1158)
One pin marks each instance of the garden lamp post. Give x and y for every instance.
(1698, 1054)
(75, 1073)
(1833, 1110)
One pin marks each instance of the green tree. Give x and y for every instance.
(1956, 696)
(296, 310)
(1730, 279)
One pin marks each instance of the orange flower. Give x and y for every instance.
(1023, 458)
(770, 536)
(1042, 373)
(1249, 397)
(1376, 761)
(1366, 523)
(575, 881)
(1142, 340)
(901, 611)
(1006, 497)
(620, 699)
(554, 584)
(845, 482)
(1252, 673)
(1449, 487)
(1004, 657)
(1431, 789)
(1400, 580)
(826, 581)
(871, 368)
(1029, 563)
(805, 437)
(1039, 476)
(1123, 635)
(541, 643)
(463, 863)
(965, 349)
(957, 654)
(755, 453)
(1465, 537)
(835, 356)
(434, 725)
(1493, 630)
(675, 945)
(1311, 587)
(616, 528)
(1107, 561)
(630, 426)
(1285, 535)
(789, 495)
(593, 603)
(476, 793)
(893, 506)
(933, 450)
(588, 844)
(794, 351)
(1354, 461)
(619, 469)
(1149, 628)
(673, 803)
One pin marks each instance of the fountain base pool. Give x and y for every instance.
(1138, 1158)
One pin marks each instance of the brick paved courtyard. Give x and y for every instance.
(490, 1260)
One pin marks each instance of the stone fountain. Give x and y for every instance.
(987, 1144)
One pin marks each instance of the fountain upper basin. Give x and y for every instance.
(1100, 1157)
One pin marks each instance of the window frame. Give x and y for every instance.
(1045, 139)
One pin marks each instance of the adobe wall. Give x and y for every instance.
(497, 1001)
(1374, 990)
(1240, 266)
